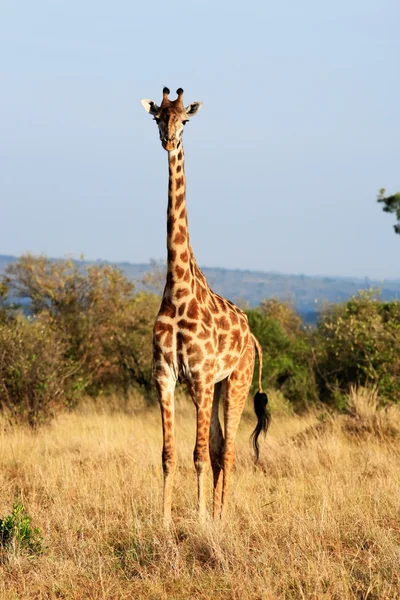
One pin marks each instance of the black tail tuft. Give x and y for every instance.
(263, 419)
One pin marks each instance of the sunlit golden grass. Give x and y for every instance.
(320, 518)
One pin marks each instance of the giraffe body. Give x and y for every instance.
(199, 337)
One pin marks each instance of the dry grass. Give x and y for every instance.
(320, 519)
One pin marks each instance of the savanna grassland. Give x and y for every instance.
(320, 518)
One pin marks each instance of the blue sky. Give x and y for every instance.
(300, 128)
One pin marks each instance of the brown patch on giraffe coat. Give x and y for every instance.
(222, 303)
(206, 317)
(182, 292)
(160, 371)
(243, 324)
(201, 421)
(184, 256)
(193, 309)
(182, 339)
(169, 357)
(179, 182)
(187, 325)
(234, 318)
(196, 376)
(205, 334)
(170, 278)
(178, 200)
(170, 224)
(213, 307)
(168, 340)
(198, 392)
(198, 292)
(209, 347)
(235, 339)
(194, 349)
(222, 342)
(181, 309)
(187, 275)
(228, 360)
(173, 160)
(179, 271)
(171, 255)
(160, 328)
(180, 155)
(167, 308)
(209, 365)
(179, 239)
(179, 168)
(223, 323)
(182, 214)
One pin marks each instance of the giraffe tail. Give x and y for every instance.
(260, 405)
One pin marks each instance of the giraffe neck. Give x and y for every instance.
(180, 257)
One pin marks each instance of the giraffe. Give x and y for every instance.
(199, 338)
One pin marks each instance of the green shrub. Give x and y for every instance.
(5, 309)
(358, 344)
(106, 327)
(133, 343)
(16, 533)
(34, 375)
(287, 353)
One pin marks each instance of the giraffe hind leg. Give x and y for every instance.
(216, 449)
(236, 393)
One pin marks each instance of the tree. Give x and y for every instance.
(357, 343)
(35, 378)
(105, 325)
(4, 309)
(391, 205)
(287, 353)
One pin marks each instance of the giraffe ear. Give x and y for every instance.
(150, 107)
(193, 108)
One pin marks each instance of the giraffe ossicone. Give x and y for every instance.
(199, 337)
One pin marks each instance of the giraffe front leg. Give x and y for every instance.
(165, 385)
(236, 393)
(203, 399)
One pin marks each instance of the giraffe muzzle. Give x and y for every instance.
(168, 144)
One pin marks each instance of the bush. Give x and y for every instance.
(133, 343)
(287, 354)
(358, 344)
(16, 532)
(105, 325)
(34, 375)
(5, 310)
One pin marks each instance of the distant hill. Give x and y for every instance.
(307, 293)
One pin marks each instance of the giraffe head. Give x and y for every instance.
(171, 117)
